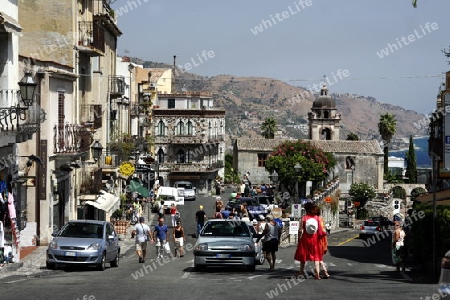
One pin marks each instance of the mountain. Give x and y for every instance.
(248, 101)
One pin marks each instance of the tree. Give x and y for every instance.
(352, 137)
(387, 128)
(411, 164)
(268, 128)
(231, 175)
(361, 192)
(314, 162)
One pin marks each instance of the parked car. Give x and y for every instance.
(225, 242)
(254, 208)
(259, 258)
(369, 228)
(84, 242)
(188, 189)
(384, 221)
(169, 195)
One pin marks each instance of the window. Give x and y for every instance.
(189, 155)
(161, 131)
(160, 156)
(180, 156)
(349, 163)
(179, 130)
(262, 157)
(190, 128)
(170, 103)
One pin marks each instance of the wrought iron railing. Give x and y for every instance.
(91, 35)
(71, 138)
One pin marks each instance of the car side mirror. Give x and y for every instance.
(54, 233)
(110, 237)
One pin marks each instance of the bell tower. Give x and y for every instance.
(323, 118)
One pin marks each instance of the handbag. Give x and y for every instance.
(145, 234)
(167, 247)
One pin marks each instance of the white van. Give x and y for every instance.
(169, 195)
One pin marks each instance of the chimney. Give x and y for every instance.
(174, 70)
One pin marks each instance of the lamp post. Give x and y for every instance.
(298, 170)
(27, 87)
(130, 70)
(96, 150)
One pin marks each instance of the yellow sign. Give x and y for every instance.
(126, 168)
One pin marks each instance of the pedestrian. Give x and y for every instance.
(272, 238)
(218, 203)
(323, 244)
(218, 214)
(173, 213)
(398, 246)
(328, 227)
(161, 209)
(179, 238)
(137, 208)
(160, 236)
(308, 244)
(200, 218)
(142, 234)
(217, 187)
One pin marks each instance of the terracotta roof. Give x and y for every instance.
(157, 73)
(257, 144)
(354, 147)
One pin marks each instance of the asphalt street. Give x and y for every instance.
(356, 272)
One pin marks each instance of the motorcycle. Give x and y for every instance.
(132, 216)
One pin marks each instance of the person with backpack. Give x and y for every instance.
(142, 233)
(308, 248)
(272, 238)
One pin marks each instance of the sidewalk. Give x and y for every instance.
(32, 260)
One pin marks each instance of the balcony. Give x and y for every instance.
(92, 114)
(190, 167)
(117, 86)
(91, 183)
(185, 139)
(91, 38)
(109, 161)
(71, 138)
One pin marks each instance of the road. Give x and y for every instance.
(356, 272)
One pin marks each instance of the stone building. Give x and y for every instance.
(189, 139)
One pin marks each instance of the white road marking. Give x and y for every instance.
(350, 264)
(380, 266)
(186, 275)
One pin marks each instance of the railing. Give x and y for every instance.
(71, 138)
(109, 161)
(91, 184)
(91, 35)
(187, 167)
(9, 97)
(327, 191)
(116, 85)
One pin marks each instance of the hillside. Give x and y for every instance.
(250, 100)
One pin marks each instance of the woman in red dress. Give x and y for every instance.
(308, 248)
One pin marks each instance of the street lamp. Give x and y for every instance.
(96, 150)
(274, 177)
(298, 170)
(27, 87)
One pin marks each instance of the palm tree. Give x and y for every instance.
(268, 128)
(387, 128)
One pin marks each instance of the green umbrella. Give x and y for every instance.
(137, 187)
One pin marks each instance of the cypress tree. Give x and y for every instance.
(411, 167)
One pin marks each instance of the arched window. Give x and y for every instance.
(179, 130)
(189, 156)
(180, 156)
(190, 128)
(161, 129)
(160, 156)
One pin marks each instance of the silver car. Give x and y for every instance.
(225, 242)
(369, 228)
(84, 242)
(187, 188)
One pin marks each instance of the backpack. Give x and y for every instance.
(311, 225)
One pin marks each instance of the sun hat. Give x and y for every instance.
(311, 225)
(261, 217)
(254, 222)
(269, 217)
(218, 198)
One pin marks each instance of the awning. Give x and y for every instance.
(9, 24)
(136, 186)
(105, 201)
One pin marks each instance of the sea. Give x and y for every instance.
(423, 160)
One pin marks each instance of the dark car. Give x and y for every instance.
(84, 242)
(254, 208)
(384, 221)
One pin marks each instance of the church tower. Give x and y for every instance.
(323, 118)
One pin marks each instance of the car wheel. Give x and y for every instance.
(199, 268)
(115, 263)
(102, 265)
(50, 266)
(251, 268)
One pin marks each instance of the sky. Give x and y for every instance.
(380, 48)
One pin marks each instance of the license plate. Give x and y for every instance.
(70, 254)
(223, 255)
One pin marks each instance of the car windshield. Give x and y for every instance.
(82, 230)
(371, 223)
(187, 186)
(214, 229)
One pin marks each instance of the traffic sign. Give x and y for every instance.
(356, 203)
(293, 227)
(328, 199)
(143, 168)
